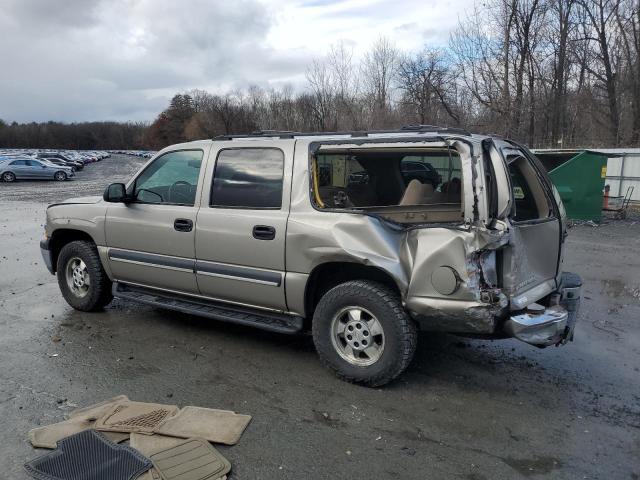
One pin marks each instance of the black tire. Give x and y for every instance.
(8, 177)
(98, 292)
(400, 333)
(60, 176)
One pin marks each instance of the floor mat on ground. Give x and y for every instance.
(193, 459)
(147, 445)
(101, 407)
(218, 426)
(131, 416)
(80, 420)
(88, 455)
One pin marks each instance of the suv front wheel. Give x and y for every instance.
(363, 334)
(83, 282)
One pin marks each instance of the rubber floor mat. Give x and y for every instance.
(193, 459)
(88, 455)
(131, 416)
(80, 420)
(218, 426)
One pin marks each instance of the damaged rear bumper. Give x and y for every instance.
(553, 325)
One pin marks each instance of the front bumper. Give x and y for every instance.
(46, 255)
(555, 324)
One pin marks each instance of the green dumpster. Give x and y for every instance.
(579, 176)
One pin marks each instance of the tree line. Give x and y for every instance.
(76, 136)
(548, 73)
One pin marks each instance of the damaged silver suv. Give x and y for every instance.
(362, 238)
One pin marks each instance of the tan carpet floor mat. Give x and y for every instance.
(218, 426)
(80, 420)
(100, 408)
(138, 417)
(193, 459)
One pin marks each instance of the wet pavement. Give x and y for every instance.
(466, 409)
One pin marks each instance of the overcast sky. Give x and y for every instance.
(77, 60)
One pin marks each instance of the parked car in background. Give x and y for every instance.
(65, 158)
(31, 169)
(421, 171)
(56, 161)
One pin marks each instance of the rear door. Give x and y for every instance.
(20, 169)
(531, 259)
(241, 225)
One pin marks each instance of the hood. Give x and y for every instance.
(79, 200)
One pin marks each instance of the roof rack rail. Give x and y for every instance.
(288, 134)
(435, 128)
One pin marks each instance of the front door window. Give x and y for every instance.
(170, 179)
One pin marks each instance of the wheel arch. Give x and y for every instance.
(330, 274)
(63, 236)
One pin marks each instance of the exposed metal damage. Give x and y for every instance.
(464, 277)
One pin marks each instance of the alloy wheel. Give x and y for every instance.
(357, 336)
(77, 276)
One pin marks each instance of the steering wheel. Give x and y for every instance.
(178, 193)
(341, 199)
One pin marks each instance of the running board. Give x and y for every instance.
(265, 320)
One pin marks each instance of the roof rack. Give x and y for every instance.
(288, 134)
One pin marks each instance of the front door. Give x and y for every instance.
(531, 259)
(151, 239)
(241, 227)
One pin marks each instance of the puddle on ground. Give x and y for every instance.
(618, 288)
(533, 466)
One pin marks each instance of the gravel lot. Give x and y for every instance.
(466, 409)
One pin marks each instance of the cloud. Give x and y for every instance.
(79, 60)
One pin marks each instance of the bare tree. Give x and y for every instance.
(628, 21)
(426, 83)
(323, 91)
(481, 49)
(600, 40)
(379, 68)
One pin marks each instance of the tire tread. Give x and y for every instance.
(100, 294)
(405, 328)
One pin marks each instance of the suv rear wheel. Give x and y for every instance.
(363, 334)
(82, 280)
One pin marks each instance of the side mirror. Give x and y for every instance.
(115, 193)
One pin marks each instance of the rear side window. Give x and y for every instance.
(248, 178)
(530, 201)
